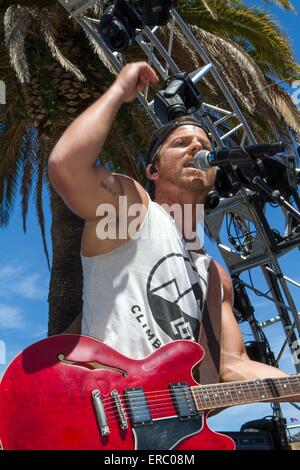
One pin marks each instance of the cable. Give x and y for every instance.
(242, 239)
(252, 285)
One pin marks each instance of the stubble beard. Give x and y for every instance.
(195, 186)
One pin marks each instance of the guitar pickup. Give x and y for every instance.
(139, 409)
(183, 400)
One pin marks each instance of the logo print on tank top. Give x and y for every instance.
(170, 301)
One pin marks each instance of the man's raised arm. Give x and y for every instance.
(71, 163)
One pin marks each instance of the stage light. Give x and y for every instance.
(179, 98)
(118, 25)
(122, 18)
(258, 351)
(156, 12)
(243, 309)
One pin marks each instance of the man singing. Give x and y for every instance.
(148, 282)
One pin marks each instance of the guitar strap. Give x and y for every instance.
(210, 330)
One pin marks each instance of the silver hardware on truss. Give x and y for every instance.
(256, 247)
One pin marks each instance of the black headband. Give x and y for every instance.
(160, 135)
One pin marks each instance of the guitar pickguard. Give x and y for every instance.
(167, 433)
(77, 393)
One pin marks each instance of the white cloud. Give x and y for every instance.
(15, 281)
(39, 333)
(2, 352)
(11, 317)
(16, 285)
(28, 287)
(9, 271)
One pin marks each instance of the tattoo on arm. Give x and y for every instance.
(108, 188)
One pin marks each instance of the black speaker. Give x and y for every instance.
(251, 440)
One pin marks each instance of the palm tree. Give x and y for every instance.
(49, 97)
(46, 90)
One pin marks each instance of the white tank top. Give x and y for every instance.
(147, 292)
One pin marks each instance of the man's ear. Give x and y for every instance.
(151, 172)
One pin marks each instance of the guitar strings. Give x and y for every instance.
(210, 395)
(154, 409)
(153, 403)
(154, 413)
(168, 403)
(201, 397)
(113, 410)
(232, 387)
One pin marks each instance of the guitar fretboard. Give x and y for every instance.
(237, 393)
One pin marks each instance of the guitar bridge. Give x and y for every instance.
(120, 409)
(100, 412)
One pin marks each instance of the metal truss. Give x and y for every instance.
(256, 245)
(159, 56)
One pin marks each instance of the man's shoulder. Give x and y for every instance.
(225, 280)
(131, 188)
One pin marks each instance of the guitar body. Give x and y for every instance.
(46, 399)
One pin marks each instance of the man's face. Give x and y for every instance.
(176, 160)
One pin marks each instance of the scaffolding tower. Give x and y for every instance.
(254, 243)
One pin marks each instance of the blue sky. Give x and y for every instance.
(24, 279)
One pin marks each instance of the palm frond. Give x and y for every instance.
(246, 81)
(282, 101)
(208, 9)
(98, 7)
(49, 36)
(27, 169)
(284, 4)
(38, 190)
(99, 52)
(242, 74)
(9, 146)
(9, 169)
(17, 19)
(8, 192)
(253, 25)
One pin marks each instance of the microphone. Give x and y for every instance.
(240, 156)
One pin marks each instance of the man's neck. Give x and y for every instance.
(186, 209)
(179, 196)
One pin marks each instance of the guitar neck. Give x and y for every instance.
(238, 393)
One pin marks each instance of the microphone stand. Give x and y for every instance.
(276, 196)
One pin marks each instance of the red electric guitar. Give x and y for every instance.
(75, 392)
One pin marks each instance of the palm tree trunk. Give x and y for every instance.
(65, 290)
